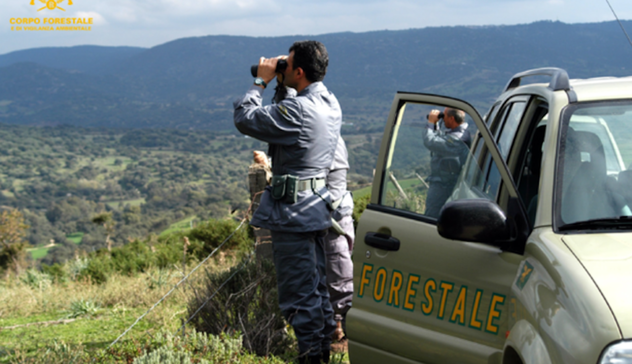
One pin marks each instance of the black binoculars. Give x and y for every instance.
(440, 115)
(280, 67)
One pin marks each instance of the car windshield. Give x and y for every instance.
(595, 166)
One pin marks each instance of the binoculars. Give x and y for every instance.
(440, 114)
(280, 67)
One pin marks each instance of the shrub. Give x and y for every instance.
(56, 271)
(359, 205)
(36, 279)
(141, 255)
(213, 233)
(248, 303)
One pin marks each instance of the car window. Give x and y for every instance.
(504, 129)
(594, 157)
(509, 127)
(426, 161)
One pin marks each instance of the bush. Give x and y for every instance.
(248, 304)
(56, 271)
(359, 205)
(140, 255)
(36, 279)
(208, 236)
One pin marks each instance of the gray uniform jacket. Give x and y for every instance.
(337, 182)
(449, 149)
(302, 133)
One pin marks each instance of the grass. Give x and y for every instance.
(103, 311)
(362, 192)
(405, 184)
(101, 314)
(38, 253)
(184, 224)
(75, 237)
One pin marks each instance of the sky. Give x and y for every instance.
(147, 23)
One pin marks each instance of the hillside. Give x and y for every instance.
(190, 82)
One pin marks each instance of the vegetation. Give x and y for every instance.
(12, 244)
(71, 312)
(62, 178)
(68, 181)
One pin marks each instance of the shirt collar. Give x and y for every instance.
(314, 87)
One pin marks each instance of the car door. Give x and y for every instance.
(419, 297)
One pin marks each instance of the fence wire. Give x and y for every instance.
(180, 282)
(243, 265)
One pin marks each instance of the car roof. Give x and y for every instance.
(602, 88)
(580, 90)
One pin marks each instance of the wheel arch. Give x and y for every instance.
(525, 346)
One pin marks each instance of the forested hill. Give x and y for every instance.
(191, 82)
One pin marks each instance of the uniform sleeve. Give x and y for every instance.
(443, 144)
(276, 124)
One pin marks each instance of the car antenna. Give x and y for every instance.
(621, 25)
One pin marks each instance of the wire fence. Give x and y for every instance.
(180, 282)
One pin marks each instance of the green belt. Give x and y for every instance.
(306, 184)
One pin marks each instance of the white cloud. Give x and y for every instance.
(97, 19)
(151, 22)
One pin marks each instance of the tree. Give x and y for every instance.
(12, 243)
(105, 219)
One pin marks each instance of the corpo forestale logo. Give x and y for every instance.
(51, 24)
(51, 4)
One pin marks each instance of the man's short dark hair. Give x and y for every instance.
(312, 57)
(458, 115)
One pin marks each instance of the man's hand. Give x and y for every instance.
(267, 66)
(433, 116)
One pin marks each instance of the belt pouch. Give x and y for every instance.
(278, 186)
(291, 189)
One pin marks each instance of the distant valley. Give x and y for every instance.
(190, 83)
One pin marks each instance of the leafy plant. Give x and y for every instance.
(159, 279)
(76, 267)
(81, 307)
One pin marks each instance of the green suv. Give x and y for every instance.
(530, 258)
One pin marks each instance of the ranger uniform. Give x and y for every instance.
(302, 133)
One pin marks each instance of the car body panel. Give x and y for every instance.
(608, 260)
(561, 301)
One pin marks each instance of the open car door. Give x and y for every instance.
(417, 294)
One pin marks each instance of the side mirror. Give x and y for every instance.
(477, 220)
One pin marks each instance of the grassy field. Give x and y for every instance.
(183, 224)
(116, 305)
(38, 253)
(32, 310)
(75, 237)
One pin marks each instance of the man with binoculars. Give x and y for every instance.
(302, 133)
(449, 147)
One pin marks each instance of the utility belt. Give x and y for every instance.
(286, 187)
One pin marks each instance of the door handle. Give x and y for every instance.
(381, 241)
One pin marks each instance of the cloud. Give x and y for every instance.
(152, 22)
(96, 17)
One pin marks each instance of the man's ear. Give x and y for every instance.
(300, 73)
